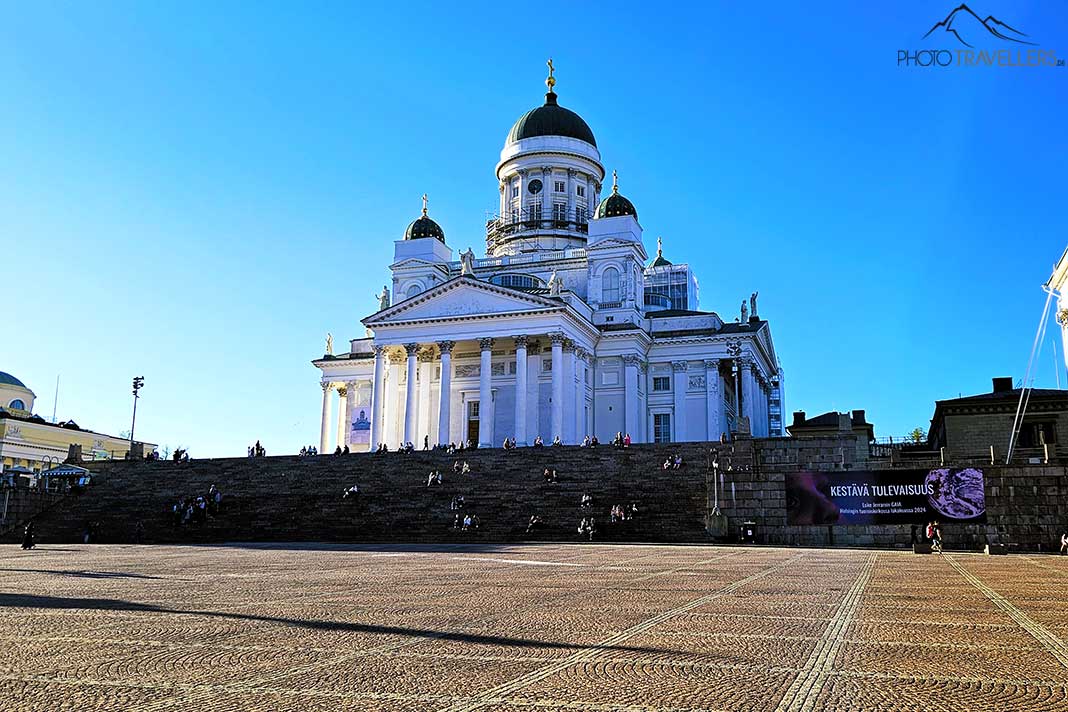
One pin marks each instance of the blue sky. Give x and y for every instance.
(197, 194)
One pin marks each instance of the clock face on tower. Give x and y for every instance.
(534, 186)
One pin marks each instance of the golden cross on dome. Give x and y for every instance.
(659, 247)
(424, 204)
(615, 182)
(551, 81)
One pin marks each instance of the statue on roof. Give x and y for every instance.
(752, 302)
(467, 262)
(554, 284)
(329, 344)
(745, 312)
(383, 298)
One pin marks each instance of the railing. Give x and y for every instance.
(576, 253)
(610, 305)
(533, 219)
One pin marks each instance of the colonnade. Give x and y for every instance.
(568, 402)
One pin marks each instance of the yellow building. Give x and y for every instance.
(29, 441)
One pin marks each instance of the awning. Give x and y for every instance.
(65, 471)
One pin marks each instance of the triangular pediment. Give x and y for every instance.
(462, 296)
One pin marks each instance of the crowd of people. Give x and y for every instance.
(308, 451)
(257, 450)
(196, 509)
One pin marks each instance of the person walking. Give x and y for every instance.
(1064, 543)
(28, 537)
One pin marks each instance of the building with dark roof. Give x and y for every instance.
(971, 425)
(563, 329)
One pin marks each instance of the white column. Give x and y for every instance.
(571, 197)
(445, 401)
(580, 394)
(485, 393)
(748, 392)
(712, 400)
(631, 404)
(409, 394)
(557, 411)
(548, 190)
(567, 436)
(520, 390)
(391, 424)
(324, 429)
(678, 420)
(377, 400)
(342, 401)
(426, 374)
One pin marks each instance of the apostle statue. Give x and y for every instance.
(745, 312)
(329, 344)
(554, 285)
(383, 298)
(467, 262)
(752, 302)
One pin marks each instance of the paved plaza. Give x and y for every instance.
(536, 628)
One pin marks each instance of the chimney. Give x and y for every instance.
(858, 417)
(1002, 385)
(845, 424)
(799, 418)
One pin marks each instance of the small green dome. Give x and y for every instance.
(551, 119)
(423, 226)
(615, 204)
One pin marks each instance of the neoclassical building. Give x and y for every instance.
(563, 328)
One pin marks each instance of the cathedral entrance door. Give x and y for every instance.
(472, 421)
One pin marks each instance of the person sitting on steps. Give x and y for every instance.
(538, 442)
(535, 520)
(556, 441)
(586, 502)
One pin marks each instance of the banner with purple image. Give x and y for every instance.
(886, 496)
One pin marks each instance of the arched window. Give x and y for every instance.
(17, 405)
(610, 285)
(412, 291)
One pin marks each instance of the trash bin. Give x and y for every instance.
(748, 532)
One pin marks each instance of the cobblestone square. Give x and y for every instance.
(537, 627)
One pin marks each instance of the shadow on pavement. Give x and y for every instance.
(26, 600)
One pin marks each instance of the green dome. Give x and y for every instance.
(615, 204)
(424, 227)
(551, 119)
(6, 379)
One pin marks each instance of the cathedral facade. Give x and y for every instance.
(563, 329)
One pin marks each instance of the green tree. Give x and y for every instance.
(918, 435)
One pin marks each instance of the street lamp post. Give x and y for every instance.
(138, 384)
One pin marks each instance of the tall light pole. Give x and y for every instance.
(138, 384)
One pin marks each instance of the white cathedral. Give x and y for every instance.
(561, 330)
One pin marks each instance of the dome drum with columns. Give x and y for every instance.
(563, 329)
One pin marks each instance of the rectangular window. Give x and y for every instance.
(560, 212)
(661, 427)
(580, 191)
(661, 383)
(515, 191)
(561, 187)
(1037, 434)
